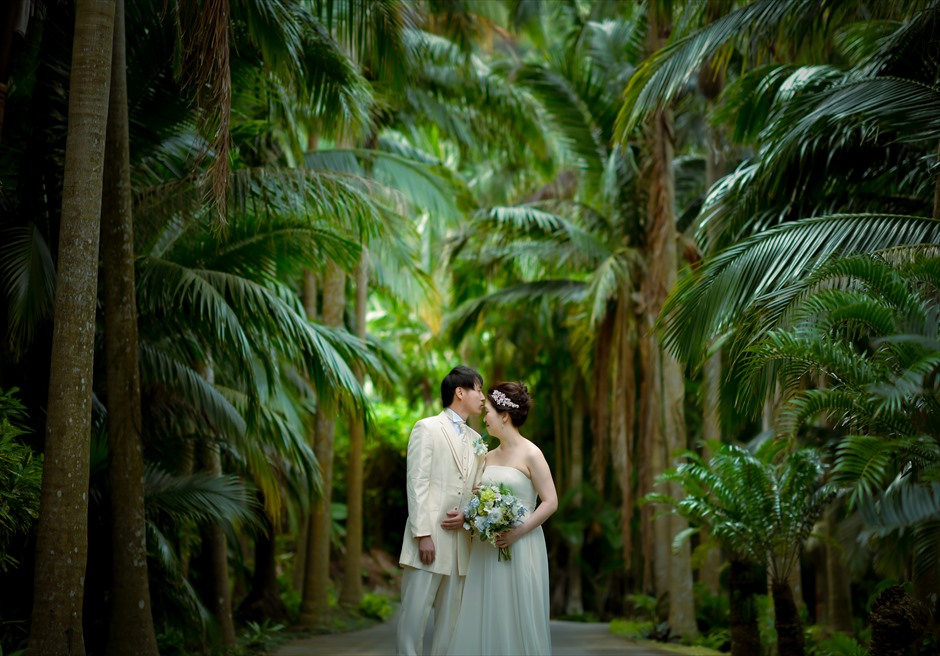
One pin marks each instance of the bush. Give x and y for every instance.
(376, 606)
(631, 629)
(20, 479)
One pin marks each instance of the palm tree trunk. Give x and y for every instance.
(314, 610)
(742, 590)
(600, 401)
(131, 627)
(662, 262)
(574, 601)
(264, 599)
(653, 538)
(790, 641)
(838, 588)
(352, 577)
(623, 420)
(216, 548)
(308, 297)
(711, 82)
(300, 554)
(62, 538)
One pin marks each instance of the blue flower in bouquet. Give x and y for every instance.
(494, 509)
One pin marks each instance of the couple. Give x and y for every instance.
(481, 605)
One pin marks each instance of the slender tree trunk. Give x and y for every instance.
(651, 413)
(648, 460)
(838, 581)
(574, 603)
(62, 538)
(216, 549)
(662, 263)
(600, 401)
(711, 82)
(131, 628)
(352, 575)
(300, 554)
(264, 599)
(308, 297)
(743, 613)
(314, 610)
(790, 641)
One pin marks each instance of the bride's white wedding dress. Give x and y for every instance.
(504, 610)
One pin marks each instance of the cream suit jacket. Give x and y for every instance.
(442, 471)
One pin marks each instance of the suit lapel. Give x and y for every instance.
(452, 439)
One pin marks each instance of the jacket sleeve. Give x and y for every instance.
(420, 447)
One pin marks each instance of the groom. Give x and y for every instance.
(442, 470)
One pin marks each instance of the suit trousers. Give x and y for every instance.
(420, 592)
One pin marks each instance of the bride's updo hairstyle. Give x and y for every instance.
(512, 398)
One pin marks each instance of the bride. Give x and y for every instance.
(504, 609)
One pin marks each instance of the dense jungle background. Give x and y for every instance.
(242, 241)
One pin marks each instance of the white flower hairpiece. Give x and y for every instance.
(503, 400)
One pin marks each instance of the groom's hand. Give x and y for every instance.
(454, 521)
(426, 550)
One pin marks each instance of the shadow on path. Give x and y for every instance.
(568, 639)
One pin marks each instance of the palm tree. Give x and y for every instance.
(351, 593)
(132, 614)
(811, 137)
(866, 326)
(578, 85)
(663, 392)
(761, 507)
(62, 531)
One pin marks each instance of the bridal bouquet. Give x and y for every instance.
(493, 510)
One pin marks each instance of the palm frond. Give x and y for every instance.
(903, 505)
(523, 294)
(27, 277)
(804, 406)
(701, 306)
(866, 463)
(891, 108)
(275, 453)
(429, 187)
(665, 74)
(202, 497)
(180, 588)
(159, 367)
(374, 32)
(749, 102)
(572, 115)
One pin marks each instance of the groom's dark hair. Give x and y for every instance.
(459, 376)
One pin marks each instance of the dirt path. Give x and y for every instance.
(568, 639)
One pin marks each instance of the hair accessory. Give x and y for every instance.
(503, 400)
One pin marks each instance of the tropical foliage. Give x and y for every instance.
(703, 233)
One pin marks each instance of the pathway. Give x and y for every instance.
(568, 639)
